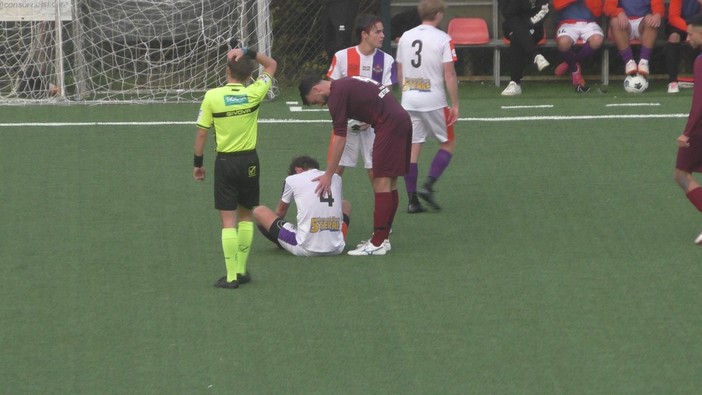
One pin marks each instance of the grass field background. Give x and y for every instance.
(562, 262)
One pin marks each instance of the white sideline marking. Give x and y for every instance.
(632, 104)
(300, 109)
(498, 119)
(538, 106)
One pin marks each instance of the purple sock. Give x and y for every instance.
(645, 52)
(626, 54)
(569, 57)
(411, 178)
(439, 164)
(585, 52)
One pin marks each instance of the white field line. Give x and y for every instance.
(521, 107)
(278, 121)
(632, 104)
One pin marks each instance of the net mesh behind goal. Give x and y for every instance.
(123, 50)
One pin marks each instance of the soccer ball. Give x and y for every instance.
(635, 83)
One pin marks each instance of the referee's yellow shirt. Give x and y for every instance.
(233, 111)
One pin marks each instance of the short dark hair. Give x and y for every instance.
(306, 85)
(305, 162)
(364, 23)
(242, 69)
(695, 20)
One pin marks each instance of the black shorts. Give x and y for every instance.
(670, 29)
(236, 182)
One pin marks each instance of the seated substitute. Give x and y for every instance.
(577, 20)
(322, 221)
(523, 25)
(676, 31)
(635, 20)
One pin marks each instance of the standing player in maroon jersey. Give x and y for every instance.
(367, 101)
(689, 158)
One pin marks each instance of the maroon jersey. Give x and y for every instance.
(690, 158)
(694, 121)
(363, 99)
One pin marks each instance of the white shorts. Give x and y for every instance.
(358, 143)
(298, 250)
(635, 34)
(426, 123)
(579, 30)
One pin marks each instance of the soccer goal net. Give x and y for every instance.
(122, 50)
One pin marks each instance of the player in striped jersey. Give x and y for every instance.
(365, 60)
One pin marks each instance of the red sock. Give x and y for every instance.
(381, 217)
(695, 197)
(395, 204)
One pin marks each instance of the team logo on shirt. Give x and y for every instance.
(233, 100)
(416, 84)
(377, 69)
(320, 224)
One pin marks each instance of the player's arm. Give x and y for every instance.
(324, 181)
(400, 81)
(451, 81)
(198, 167)
(269, 64)
(282, 209)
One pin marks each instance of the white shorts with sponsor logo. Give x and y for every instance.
(579, 30)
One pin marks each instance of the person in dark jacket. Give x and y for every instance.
(524, 27)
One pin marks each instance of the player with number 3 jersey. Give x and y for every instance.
(425, 57)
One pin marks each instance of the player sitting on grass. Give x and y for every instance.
(322, 221)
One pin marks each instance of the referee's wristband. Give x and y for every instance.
(197, 160)
(250, 53)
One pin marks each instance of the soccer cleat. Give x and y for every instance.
(541, 62)
(427, 194)
(630, 68)
(368, 248)
(512, 89)
(582, 88)
(561, 69)
(673, 87)
(243, 278)
(415, 208)
(577, 77)
(643, 67)
(698, 240)
(386, 244)
(223, 283)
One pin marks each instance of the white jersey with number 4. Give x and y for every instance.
(319, 219)
(422, 52)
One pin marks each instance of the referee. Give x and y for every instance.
(233, 112)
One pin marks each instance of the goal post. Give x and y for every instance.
(122, 50)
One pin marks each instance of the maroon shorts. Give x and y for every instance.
(690, 158)
(391, 148)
